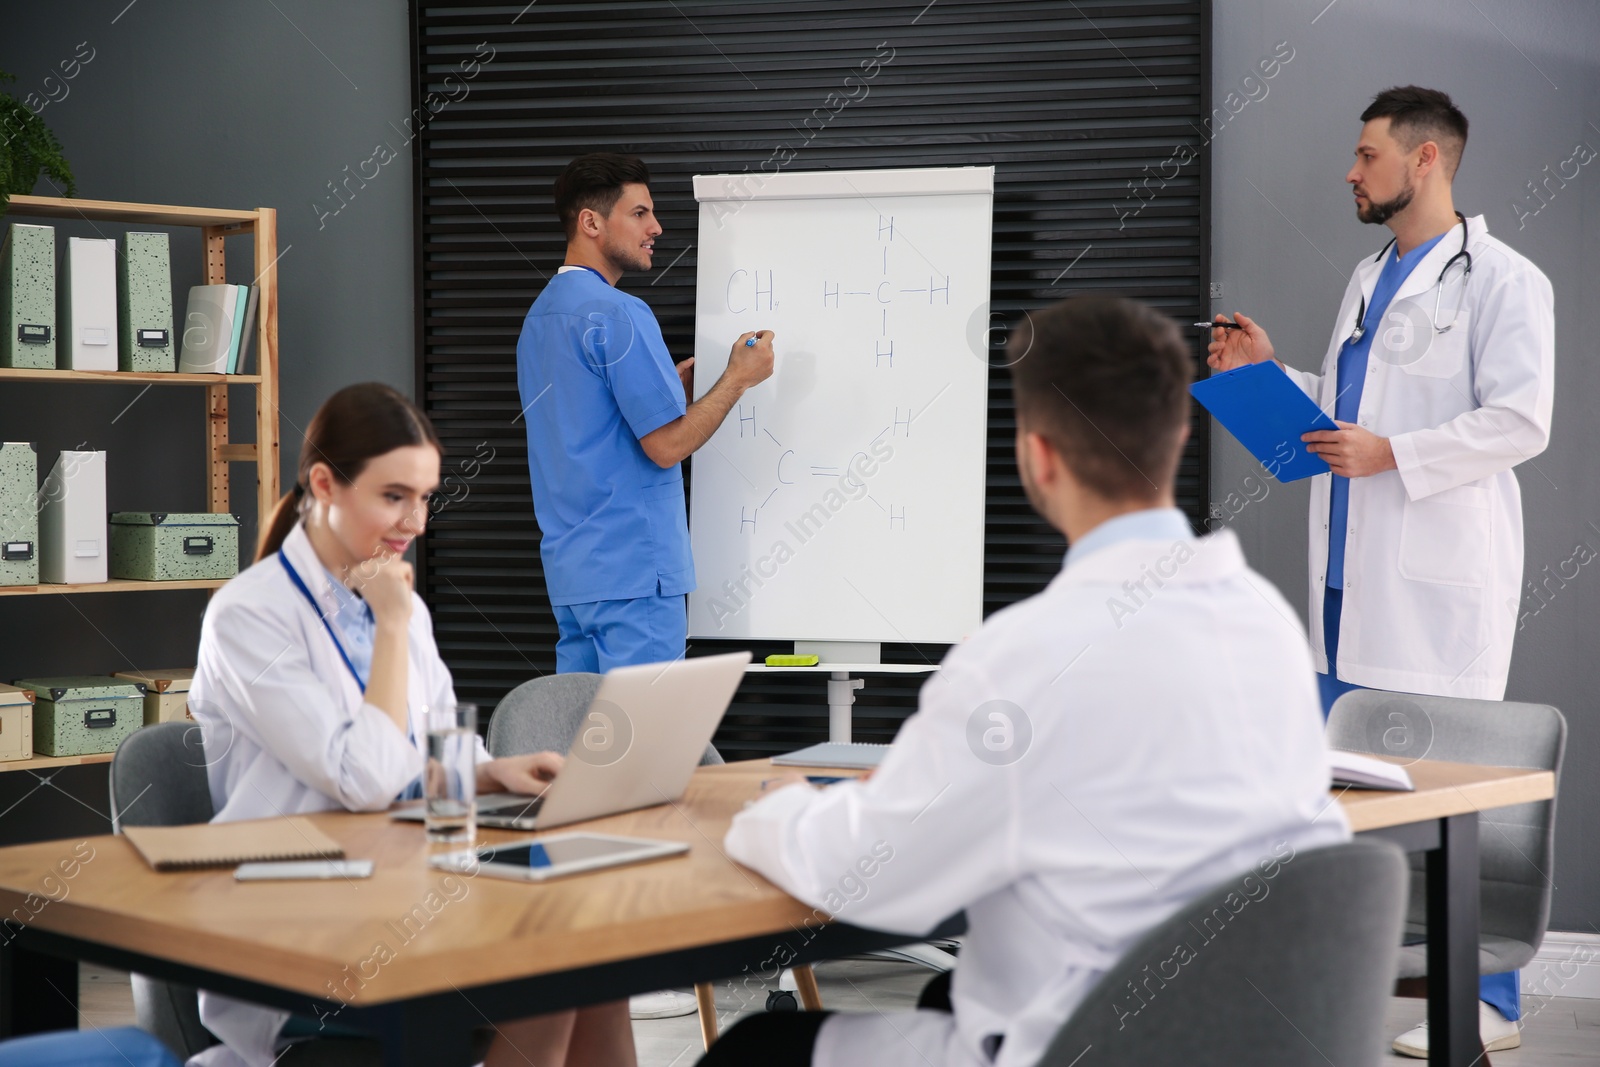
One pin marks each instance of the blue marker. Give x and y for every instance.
(751, 343)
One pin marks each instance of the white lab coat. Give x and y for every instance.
(1174, 743)
(288, 732)
(1433, 553)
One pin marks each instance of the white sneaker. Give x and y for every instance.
(1494, 1030)
(667, 1004)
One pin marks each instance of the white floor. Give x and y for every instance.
(1558, 1031)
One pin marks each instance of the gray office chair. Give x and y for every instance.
(158, 778)
(544, 713)
(1298, 974)
(1516, 845)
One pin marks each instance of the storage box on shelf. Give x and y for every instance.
(83, 715)
(157, 546)
(166, 693)
(16, 723)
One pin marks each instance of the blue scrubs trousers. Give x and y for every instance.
(1499, 991)
(597, 636)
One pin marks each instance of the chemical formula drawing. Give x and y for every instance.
(842, 499)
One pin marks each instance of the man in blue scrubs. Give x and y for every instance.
(1410, 146)
(609, 424)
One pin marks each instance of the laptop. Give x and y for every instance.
(637, 745)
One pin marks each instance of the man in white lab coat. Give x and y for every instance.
(1087, 762)
(1440, 374)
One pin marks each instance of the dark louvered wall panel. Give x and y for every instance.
(1070, 102)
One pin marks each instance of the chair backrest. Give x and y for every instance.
(1291, 968)
(158, 778)
(544, 714)
(1516, 845)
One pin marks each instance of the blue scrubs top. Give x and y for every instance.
(1352, 377)
(595, 377)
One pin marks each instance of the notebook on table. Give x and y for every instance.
(1367, 772)
(228, 844)
(855, 755)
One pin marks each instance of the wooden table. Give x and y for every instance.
(417, 956)
(1440, 820)
(420, 957)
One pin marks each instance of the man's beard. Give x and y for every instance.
(1377, 214)
(630, 258)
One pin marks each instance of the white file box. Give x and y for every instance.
(72, 519)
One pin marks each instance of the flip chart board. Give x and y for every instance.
(842, 499)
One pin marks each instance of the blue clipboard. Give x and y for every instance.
(1267, 412)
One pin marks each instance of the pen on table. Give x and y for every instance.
(1219, 326)
(814, 779)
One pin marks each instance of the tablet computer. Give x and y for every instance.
(555, 856)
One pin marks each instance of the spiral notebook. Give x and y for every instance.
(228, 844)
(855, 755)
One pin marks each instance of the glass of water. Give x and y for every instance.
(451, 778)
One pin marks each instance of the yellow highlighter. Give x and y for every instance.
(781, 660)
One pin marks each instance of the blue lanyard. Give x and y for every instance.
(300, 584)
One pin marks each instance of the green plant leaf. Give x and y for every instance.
(27, 149)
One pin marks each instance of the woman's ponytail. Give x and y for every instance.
(284, 516)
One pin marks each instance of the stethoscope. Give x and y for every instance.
(1361, 314)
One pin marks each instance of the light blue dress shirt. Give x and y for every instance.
(1152, 524)
(356, 627)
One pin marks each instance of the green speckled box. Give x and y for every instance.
(19, 514)
(83, 715)
(28, 297)
(157, 546)
(144, 304)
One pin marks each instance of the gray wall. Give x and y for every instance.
(215, 105)
(1285, 239)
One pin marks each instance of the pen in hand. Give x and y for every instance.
(1219, 326)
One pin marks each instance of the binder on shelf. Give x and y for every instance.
(19, 513)
(28, 297)
(87, 305)
(144, 304)
(249, 334)
(207, 329)
(72, 520)
(241, 301)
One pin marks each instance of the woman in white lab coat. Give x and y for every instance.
(315, 669)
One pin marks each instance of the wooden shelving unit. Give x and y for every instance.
(216, 226)
(39, 763)
(115, 585)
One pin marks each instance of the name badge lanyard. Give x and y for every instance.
(299, 583)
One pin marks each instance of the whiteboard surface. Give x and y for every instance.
(843, 498)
